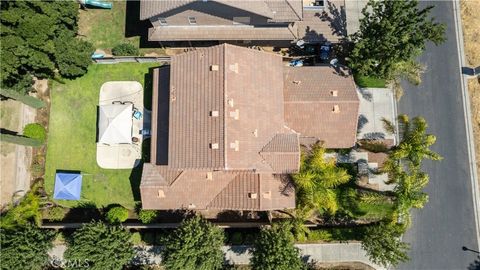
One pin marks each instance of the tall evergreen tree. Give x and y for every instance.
(392, 32)
(384, 246)
(274, 249)
(195, 245)
(99, 246)
(25, 247)
(37, 38)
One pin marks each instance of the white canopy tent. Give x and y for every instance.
(115, 124)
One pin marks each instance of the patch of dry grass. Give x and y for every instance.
(471, 35)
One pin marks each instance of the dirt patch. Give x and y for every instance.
(471, 30)
(471, 36)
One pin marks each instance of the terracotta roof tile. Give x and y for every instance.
(325, 97)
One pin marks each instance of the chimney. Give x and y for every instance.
(336, 109)
(235, 145)
(235, 114)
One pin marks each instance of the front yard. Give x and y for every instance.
(72, 136)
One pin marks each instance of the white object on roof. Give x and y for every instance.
(115, 124)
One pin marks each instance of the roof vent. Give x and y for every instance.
(336, 109)
(234, 67)
(161, 193)
(267, 195)
(214, 146)
(334, 93)
(214, 113)
(255, 133)
(252, 195)
(235, 145)
(230, 102)
(235, 114)
(192, 206)
(209, 175)
(296, 82)
(214, 68)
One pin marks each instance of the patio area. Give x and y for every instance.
(122, 104)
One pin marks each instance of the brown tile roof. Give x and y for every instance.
(285, 10)
(243, 87)
(322, 103)
(193, 33)
(282, 154)
(151, 8)
(242, 190)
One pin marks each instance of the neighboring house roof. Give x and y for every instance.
(182, 33)
(322, 103)
(227, 190)
(152, 8)
(226, 110)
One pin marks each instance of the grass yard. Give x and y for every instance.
(105, 28)
(364, 81)
(72, 136)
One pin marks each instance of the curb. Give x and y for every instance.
(467, 115)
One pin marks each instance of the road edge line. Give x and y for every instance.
(467, 115)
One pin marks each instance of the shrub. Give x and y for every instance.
(147, 216)
(319, 235)
(374, 146)
(136, 238)
(236, 238)
(56, 213)
(117, 214)
(35, 131)
(25, 212)
(125, 49)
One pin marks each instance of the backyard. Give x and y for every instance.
(72, 136)
(106, 28)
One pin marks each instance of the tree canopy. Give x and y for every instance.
(392, 33)
(317, 179)
(196, 244)
(274, 249)
(99, 246)
(38, 38)
(25, 247)
(383, 245)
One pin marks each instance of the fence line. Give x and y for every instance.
(130, 59)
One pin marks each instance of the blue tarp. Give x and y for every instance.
(67, 186)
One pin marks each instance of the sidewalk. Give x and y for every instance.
(321, 253)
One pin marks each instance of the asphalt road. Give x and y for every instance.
(447, 223)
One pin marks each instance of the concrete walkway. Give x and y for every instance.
(238, 255)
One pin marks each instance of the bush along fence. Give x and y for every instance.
(130, 59)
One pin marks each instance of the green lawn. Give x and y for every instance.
(72, 135)
(364, 81)
(105, 28)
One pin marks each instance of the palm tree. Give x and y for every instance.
(413, 148)
(317, 179)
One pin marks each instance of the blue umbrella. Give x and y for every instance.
(67, 186)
